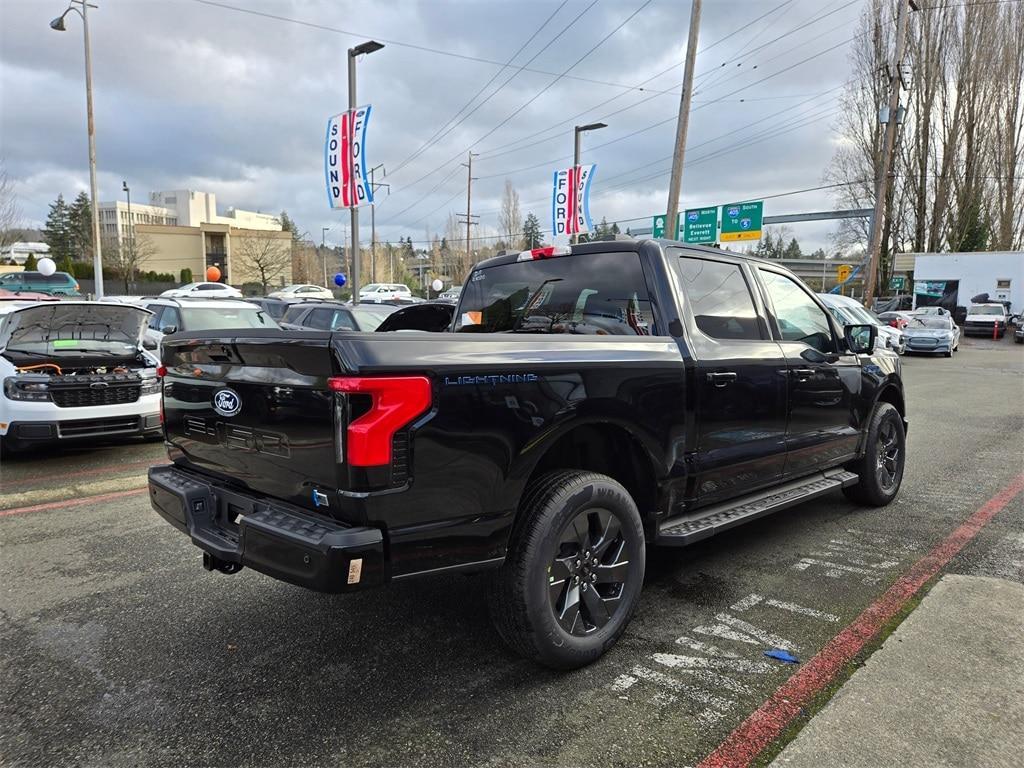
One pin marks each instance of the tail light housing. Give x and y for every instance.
(394, 402)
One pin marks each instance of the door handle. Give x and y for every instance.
(722, 378)
(802, 374)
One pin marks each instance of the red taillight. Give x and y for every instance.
(395, 401)
(161, 371)
(545, 253)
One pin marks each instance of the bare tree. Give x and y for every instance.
(263, 254)
(127, 259)
(10, 213)
(510, 220)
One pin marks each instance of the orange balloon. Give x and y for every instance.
(213, 274)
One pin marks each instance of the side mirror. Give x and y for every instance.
(167, 329)
(860, 339)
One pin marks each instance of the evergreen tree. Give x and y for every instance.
(80, 227)
(792, 251)
(531, 232)
(66, 265)
(57, 232)
(31, 263)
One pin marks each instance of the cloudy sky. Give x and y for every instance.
(232, 97)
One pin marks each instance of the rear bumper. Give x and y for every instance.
(267, 536)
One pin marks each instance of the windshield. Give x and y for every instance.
(369, 319)
(199, 319)
(594, 293)
(930, 321)
(986, 309)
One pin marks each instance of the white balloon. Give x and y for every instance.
(437, 285)
(46, 266)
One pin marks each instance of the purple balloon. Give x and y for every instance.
(339, 280)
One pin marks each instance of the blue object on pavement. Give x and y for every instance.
(786, 656)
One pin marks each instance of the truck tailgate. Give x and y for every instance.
(255, 409)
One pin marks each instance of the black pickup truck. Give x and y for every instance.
(582, 404)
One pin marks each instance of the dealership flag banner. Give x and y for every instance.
(344, 151)
(570, 200)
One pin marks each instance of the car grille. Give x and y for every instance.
(924, 343)
(88, 427)
(99, 389)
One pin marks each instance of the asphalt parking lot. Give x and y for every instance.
(117, 648)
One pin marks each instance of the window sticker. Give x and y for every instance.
(472, 318)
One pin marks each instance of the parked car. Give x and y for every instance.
(203, 291)
(897, 320)
(26, 296)
(932, 333)
(171, 315)
(434, 316)
(302, 291)
(75, 371)
(986, 319)
(57, 284)
(452, 294)
(1018, 332)
(273, 307)
(849, 311)
(375, 293)
(586, 403)
(333, 316)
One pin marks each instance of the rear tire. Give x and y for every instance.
(881, 467)
(574, 570)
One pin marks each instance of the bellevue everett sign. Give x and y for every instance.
(700, 225)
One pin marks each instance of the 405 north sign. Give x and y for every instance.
(700, 226)
(742, 221)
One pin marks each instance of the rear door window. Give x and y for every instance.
(320, 319)
(602, 294)
(342, 320)
(720, 299)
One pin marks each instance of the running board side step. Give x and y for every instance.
(682, 530)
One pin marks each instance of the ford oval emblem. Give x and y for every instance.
(226, 402)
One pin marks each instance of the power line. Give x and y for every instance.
(399, 43)
(437, 136)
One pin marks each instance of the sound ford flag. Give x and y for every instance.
(570, 200)
(344, 159)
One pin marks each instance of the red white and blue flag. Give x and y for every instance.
(348, 186)
(570, 200)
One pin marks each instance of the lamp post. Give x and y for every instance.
(323, 251)
(373, 223)
(576, 151)
(131, 223)
(368, 47)
(81, 7)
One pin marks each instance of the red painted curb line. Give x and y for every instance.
(72, 502)
(770, 719)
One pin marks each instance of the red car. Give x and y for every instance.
(6, 295)
(898, 320)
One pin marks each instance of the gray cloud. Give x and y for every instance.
(193, 95)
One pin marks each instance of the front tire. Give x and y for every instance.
(574, 570)
(881, 467)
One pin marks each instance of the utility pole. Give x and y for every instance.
(373, 224)
(675, 185)
(888, 144)
(469, 204)
(323, 250)
(576, 131)
(131, 227)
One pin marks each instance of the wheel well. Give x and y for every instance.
(894, 397)
(609, 450)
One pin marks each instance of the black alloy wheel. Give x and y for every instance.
(888, 465)
(588, 574)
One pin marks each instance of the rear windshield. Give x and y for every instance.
(199, 319)
(986, 309)
(602, 294)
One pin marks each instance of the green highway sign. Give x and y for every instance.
(658, 228)
(742, 221)
(700, 226)
(897, 283)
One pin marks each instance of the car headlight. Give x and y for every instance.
(150, 381)
(16, 388)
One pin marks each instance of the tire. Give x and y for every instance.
(948, 354)
(569, 517)
(880, 479)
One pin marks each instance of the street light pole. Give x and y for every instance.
(368, 47)
(574, 238)
(323, 251)
(131, 225)
(373, 224)
(97, 253)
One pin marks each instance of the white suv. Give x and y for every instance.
(173, 315)
(375, 293)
